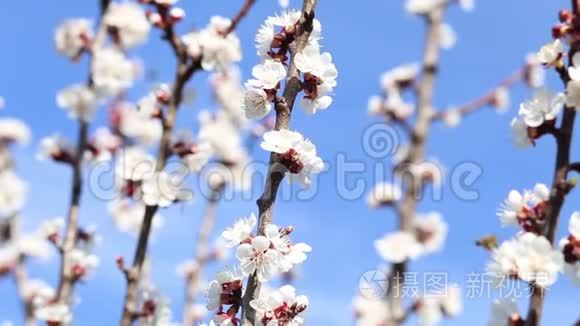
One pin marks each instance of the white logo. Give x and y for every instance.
(373, 284)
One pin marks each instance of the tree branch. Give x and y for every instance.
(557, 196)
(420, 131)
(66, 279)
(202, 254)
(240, 15)
(276, 171)
(487, 98)
(184, 72)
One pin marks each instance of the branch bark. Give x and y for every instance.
(557, 195)
(419, 134)
(201, 255)
(276, 171)
(183, 74)
(184, 71)
(66, 279)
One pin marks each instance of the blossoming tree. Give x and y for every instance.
(153, 158)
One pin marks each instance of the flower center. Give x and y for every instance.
(291, 161)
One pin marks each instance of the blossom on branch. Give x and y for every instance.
(295, 153)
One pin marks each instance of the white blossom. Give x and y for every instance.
(282, 306)
(433, 307)
(79, 100)
(535, 72)
(112, 72)
(530, 257)
(369, 311)
(54, 147)
(14, 130)
(504, 312)
(297, 154)
(573, 94)
(544, 106)
(267, 74)
(320, 71)
(447, 36)
(103, 145)
(163, 189)
(129, 23)
(12, 193)
(34, 245)
(71, 37)
(518, 205)
(520, 132)
(501, 99)
(200, 156)
(51, 227)
(431, 231)
(452, 117)
(570, 246)
(38, 292)
(383, 194)
(255, 103)
(223, 137)
(229, 93)
(134, 164)
(551, 53)
(398, 247)
(165, 2)
(138, 124)
(467, 5)
(56, 313)
(217, 51)
(240, 231)
(257, 256)
(403, 74)
(286, 20)
(421, 7)
(128, 216)
(82, 263)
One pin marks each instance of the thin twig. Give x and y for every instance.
(283, 106)
(416, 154)
(202, 254)
(66, 279)
(240, 15)
(487, 98)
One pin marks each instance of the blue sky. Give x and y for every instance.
(364, 41)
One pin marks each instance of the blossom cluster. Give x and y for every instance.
(265, 256)
(273, 42)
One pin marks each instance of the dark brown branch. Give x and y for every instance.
(66, 279)
(276, 170)
(575, 167)
(557, 196)
(184, 72)
(240, 15)
(407, 208)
